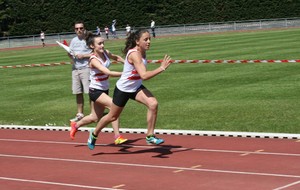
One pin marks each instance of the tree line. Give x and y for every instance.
(22, 17)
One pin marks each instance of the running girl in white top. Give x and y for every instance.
(99, 85)
(129, 86)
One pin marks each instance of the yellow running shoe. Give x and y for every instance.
(120, 140)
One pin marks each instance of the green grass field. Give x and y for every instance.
(221, 97)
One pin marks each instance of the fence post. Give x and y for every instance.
(260, 24)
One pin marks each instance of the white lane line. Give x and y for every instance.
(150, 166)
(161, 147)
(286, 186)
(38, 141)
(54, 183)
(248, 153)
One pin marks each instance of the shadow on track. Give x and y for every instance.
(163, 151)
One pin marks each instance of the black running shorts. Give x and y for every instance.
(95, 93)
(120, 98)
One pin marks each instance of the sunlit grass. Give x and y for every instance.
(224, 97)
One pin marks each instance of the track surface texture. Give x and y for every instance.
(37, 159)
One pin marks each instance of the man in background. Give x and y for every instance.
(106, 29)
(153, 28)
(128, 30)
(113, 28)
(80, 68)
(98, 31)
(42, 36)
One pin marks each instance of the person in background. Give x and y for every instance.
(106, 29)
(113, 28)
(42, 36)
(130, 86)
(128, 30)
(98, 90)
(98, 31)
(152, 26)
(80, 68)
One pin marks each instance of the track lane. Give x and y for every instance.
(205, 162)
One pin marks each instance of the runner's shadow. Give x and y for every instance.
(163, 151)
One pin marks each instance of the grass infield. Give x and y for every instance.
(215, 97)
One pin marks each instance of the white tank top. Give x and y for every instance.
(130, 80)
(99, 80)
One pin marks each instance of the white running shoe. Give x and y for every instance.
(77, 118)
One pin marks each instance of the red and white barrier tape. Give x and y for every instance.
(36, 65)
(228, 61)
(174, 61)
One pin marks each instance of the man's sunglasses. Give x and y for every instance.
(81, 28)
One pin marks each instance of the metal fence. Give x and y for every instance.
(34, 40)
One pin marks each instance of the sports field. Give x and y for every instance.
(260, 97)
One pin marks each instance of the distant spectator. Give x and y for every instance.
(106, 29)
(113, 28)
(128, 30)
(153, 28)
(98, 31)
(42, 36)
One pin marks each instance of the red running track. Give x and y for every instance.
(34, 160)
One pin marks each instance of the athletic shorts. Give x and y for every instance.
(81, 81)
(120, 98)
(95, 93)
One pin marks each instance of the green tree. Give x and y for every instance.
(4, 17)
(20, 17)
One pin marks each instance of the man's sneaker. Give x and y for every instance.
(92, 140)
(152, 139)
(73, 130)
(120, 140)
(78, 117)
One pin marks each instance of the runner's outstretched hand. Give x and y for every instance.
(166, 62)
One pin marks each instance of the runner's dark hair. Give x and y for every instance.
(132, 38)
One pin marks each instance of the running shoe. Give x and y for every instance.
(78, 117)
(73, 130)
(120, 140)
(152, 139)
(92, 140)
